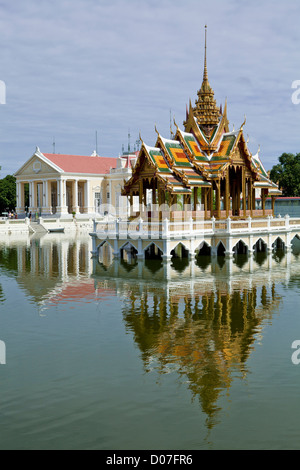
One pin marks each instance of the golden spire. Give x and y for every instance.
(206, 110)
(205, 75)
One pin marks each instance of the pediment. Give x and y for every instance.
(37, 166)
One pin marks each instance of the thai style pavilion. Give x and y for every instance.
(204, 168)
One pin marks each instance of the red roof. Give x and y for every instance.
(82, 164)
(80, 291)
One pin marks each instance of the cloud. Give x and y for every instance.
(74, 67)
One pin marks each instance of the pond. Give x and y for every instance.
(107, 354)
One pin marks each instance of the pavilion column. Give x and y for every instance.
(185, 202)
(145, 196)
(273, 205)
(227, 195)
(253, 198)
(160, 202)
(250, 196)
(244, 191)
(263, 201)
(205, 201)
(211, 201)
(195, 198)
(141, 195)
(239, 190)
(218, 199)
(131, 205)
(233, 193)
(153, 192)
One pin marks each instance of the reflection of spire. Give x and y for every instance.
(208, 342)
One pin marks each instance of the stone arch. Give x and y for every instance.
(260, 246)
(180, 251)
(278, 244)
(107, 241)
(295, 242)
(128, 252)
(240, 248)
(153, 251)
(105, 252)
(203, 249)
(221, 249)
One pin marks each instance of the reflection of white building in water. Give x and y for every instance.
(58, 184)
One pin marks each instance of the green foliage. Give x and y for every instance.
(287, 174)
(7, 193)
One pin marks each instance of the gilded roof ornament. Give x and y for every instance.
(242, 126)
(206, 110)
(140, 137)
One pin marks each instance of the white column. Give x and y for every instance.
(75, 207)
(19, 207)
(88, 204)
(62, 208)
(58, 193)
(45, 206)
(31, 196)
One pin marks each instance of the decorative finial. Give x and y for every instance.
(205, 75)
(244, 122)
(156, 130)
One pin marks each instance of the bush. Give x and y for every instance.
(7, 193)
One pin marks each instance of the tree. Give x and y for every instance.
(287, 174)
(7, 193)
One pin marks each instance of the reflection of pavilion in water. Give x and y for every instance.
(264, 265)
(204, 322)
(200, 319)
(207, 338)
(49, 268)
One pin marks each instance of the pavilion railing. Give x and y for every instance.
(187, 228)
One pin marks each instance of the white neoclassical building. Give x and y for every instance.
(55, 184)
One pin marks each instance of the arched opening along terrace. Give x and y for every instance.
(203, 250)
(278, 244)
(295, 244)
(221, 250)
(180, 251)
(260, 246)
(105, 253)
(153, 252)
(240, 248)
(128, 253)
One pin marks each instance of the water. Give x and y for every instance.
(113, 355)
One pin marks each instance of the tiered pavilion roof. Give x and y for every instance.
(205, 154)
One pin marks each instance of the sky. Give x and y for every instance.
(74, 69)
